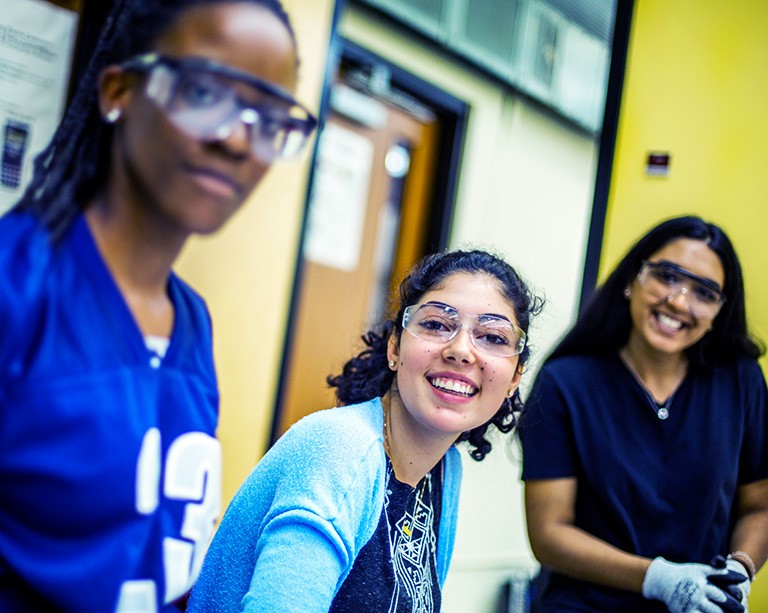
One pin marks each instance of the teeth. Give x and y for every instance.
(669, 322)
(453, 386)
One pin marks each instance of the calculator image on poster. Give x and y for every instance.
(16, 134)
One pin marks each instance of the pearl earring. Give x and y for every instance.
(627, 293)
(509, 393)
(113, 115)
(391, 363)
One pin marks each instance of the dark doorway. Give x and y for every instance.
(381, 196)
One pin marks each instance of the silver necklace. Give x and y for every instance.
(660, 408)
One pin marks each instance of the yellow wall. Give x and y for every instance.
(697, 86)
(245, 273)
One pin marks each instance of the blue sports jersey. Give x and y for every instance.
(648, 486)
(109, 466)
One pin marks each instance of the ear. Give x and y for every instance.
(393, 349)
(114, 90)
(515, 379)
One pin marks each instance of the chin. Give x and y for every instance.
(205, 225)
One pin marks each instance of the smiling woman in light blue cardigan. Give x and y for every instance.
(354, 508)
(304, 513)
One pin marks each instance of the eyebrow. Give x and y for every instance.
(448, 306)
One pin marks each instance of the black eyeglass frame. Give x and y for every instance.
(145, 62)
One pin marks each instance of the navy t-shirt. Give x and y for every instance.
(396, 571)
(648, 486)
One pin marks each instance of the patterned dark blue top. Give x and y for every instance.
(396, 570)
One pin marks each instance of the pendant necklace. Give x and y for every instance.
(660, 408)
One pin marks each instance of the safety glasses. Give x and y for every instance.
(440, 323)
(208, 101)
(665, 281)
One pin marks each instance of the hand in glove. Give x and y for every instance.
(686, 588)
(735, 582)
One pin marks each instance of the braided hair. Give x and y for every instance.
(367, 375)
(74, 165)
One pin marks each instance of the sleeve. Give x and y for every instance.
(753, 460)
(326, 507)
(546, 431)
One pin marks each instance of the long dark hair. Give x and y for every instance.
(74, 165)
(604, 325)
(367, 375)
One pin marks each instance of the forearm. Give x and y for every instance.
(750, 533)
(298, 569)
(571, 551)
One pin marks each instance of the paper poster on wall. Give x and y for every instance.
(339, 198)
(36, 44)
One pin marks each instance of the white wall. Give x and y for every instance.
(525, 190)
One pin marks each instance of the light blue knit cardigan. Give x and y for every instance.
(293, 530)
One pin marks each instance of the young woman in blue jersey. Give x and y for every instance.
(354, 508)
(645, 440)
(109, 469)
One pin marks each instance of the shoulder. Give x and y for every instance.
(743, 377)
(739, 372)
(751, 369)
(355, 425)
(190, 305)
(577, 369)
(26, 258)
(26, 251)
(331, 462)
(342, 444)
(188, 294)
(579, 363)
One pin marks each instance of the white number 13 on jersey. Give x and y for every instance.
(192, 473)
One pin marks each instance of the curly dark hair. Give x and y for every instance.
(73, 167)
(604, 325)
(367, 375)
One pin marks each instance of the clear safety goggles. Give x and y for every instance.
(440, 323)
(208, 101)
(665, 281)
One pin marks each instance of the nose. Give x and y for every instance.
(461, 347)
(675, 296)
(237, 132)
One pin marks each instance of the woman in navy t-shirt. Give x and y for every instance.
(644, 437)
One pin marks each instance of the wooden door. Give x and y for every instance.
(372, 190)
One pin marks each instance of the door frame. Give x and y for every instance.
(452, 115)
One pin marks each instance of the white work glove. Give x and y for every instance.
(685, 588)
(744, 586)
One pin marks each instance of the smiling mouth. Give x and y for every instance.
(452, 386)
(668, 322)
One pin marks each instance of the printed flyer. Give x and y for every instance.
(36, 45)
